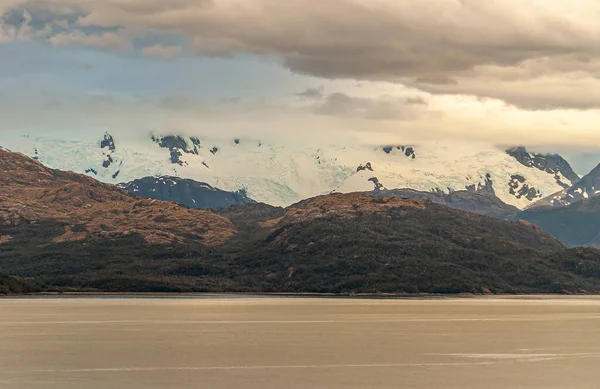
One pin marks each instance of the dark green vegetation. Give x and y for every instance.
(399, 249)
(575, 225)
(11, 285)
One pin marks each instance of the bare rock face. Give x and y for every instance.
(519, 187)
(31, 193)
(408, 151)
(177, 145)
(366, 166)
(486, 187)
(107, 143)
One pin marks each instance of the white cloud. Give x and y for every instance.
(516, 50)
(162, 51)
(354, 114)
(107, 40)
(525, 71)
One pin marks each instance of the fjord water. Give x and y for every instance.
(226, 342)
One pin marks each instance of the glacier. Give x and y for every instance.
(281, 173)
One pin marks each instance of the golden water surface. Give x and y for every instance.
(230, 343)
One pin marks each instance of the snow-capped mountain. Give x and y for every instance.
(587, 187)
(283, 173)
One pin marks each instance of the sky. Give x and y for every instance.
(371, 71)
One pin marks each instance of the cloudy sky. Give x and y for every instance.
(509, 71)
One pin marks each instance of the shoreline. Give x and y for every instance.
(357, 296)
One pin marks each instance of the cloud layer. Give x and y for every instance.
(376, 71)
(535, 54)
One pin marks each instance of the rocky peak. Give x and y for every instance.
(486, 187)
(108, 142)
(177, 145)
(408, 151)
(375, 181)
(550, 163)
(366, 166)
(519, 187)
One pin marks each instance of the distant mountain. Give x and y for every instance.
(281, 173)
(184, 191)
(577, 224)
(480, 203)
(587, 187)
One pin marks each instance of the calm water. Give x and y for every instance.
(299, 343)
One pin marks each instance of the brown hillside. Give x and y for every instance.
(31, 193)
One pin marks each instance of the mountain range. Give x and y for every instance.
(63, 231)
(207, 172)
(280, 174)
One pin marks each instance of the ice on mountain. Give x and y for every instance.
(282, 174)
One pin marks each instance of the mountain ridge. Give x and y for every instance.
(587, 187)
(477, 202)
(184, 191)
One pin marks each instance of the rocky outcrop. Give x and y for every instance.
(519, 188)
(408, 151)
(177, 145)
(378, 185)
(366, 166)
(107, 143)
(486, 187)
